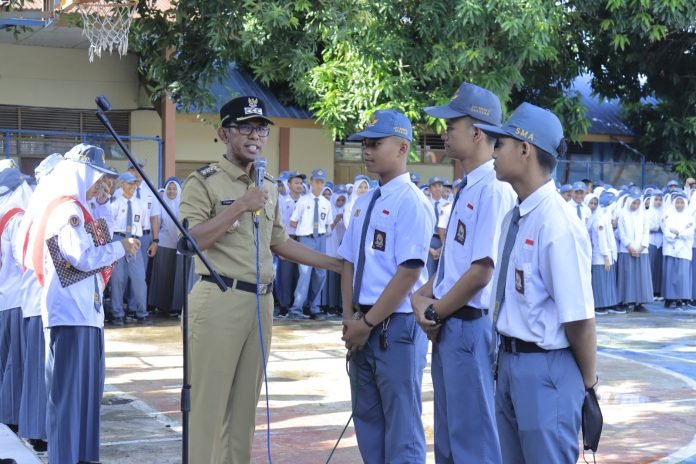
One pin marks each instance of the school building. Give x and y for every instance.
(48, 87)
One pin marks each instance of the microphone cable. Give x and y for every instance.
(263, 351)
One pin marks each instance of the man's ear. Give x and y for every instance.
(223, 134)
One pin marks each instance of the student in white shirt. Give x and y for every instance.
(654, 214)
(578, 203)
(73, 315)
(547, 353)
(286, 275)
(634, 278)
(332, 289)
(678, 230)
(312, 220)
(438, 202)
(385, 249)
(458, 293)
(14, 195)
(603, 260)
(127, 213)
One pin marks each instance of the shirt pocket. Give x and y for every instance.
(381, 237)
(522, 276)
(221, 204)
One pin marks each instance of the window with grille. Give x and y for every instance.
(37, 132)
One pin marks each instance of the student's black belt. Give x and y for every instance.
(263, 289)
(147, 232)
(469, 313)
(515, 345)
(121, 234)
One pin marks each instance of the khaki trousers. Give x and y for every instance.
(226, 372)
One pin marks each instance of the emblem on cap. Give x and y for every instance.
(524, 133)
(372, 122)
(253, 107)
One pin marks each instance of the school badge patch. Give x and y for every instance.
(357, 213)
(136, 218)
(460, 236)
(75, 220)
(323, 216)
(519, 281)
(379, 241)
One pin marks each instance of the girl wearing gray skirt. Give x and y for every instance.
(14, 195)
(71, 300)
(678, 230)
(654, 214)
(634, 279)
(603, 254)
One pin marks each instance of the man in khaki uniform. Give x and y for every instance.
(226, 370)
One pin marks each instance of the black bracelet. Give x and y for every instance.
(364, 318)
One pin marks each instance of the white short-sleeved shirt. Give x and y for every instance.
(400, 228)
(601, 237)
(439, 205)
(102, 212)
(304, 215)
(74, 305)
(548, 280)
(445, 214)
(287, 205)
(474, 230)
(10, 272)
(150, 204)
(119, 215)
(585, 212)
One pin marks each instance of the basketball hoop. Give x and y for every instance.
(106, 25)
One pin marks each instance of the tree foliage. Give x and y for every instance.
(345, 58)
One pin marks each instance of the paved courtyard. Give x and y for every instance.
(647, 370)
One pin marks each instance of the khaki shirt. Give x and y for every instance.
(208, 192)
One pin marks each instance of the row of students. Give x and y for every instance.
(501, 258)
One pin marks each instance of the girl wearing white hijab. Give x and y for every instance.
(332, 289)
(14, 195)
(164, 291)
(634, 279)
(654, 215)
(32, 408)
(72, 314)
(603, 254)
(361, 186)
(678, 230)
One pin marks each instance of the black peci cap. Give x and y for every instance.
(243, 109)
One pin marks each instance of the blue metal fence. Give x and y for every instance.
(614, 172)
(21, 143)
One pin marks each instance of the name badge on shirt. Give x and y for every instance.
(226, 202)
(379, 241)
(323, 216)
(149, 205)
(136, 218)
(519, 281)
(460, 236)
(357, 213)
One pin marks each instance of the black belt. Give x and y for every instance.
(146, 232)
(310, 236)
(294, 237)
(121, 234)
(515, 345)
(469, 313)
(263, 289)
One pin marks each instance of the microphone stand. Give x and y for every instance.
(187, 246)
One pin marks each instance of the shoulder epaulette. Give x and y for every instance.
(209, 170)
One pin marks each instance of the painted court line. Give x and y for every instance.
(687, 451)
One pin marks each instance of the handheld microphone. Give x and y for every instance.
(260, 164)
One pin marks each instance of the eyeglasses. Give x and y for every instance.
(246, 129)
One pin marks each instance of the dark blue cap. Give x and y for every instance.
(293, 174)
(127, 177)
(90, 155)
(532, 124)
(360, 177)
(140, 163)
(386, 123)
(473, 101)
(437, 180)
(329, 185)
(606, 199)
(672, 182)
(566, 188)
(415, 177)
(678, 194)
(10, 179)
(579, 186)
(318, 174)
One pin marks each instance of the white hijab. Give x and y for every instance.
(348, 210)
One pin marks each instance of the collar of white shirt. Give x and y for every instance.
(539, 195)
(479, 173)
(395, 184)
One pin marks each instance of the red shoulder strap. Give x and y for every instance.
(6, 218)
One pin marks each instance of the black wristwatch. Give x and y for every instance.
(432, 315)
(155, 240)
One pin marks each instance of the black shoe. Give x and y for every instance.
(40, 446)
(129, 320)
(144, 320)
(117, 322)
(641, 309)
(317, 316)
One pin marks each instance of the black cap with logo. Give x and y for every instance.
(243, 109)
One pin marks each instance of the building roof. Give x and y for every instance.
(238, 83)
(604, 114)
